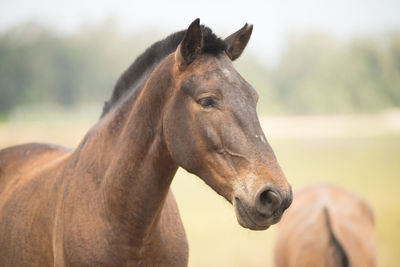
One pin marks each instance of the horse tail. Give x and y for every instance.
(343, 260)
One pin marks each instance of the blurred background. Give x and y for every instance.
(328, 75)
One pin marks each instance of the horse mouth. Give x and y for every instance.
(250, 221)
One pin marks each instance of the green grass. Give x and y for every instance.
(369, 166)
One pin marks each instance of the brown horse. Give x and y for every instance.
(108, 202)
(326, 226)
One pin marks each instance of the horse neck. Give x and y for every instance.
(136, 167)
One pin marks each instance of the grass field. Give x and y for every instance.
(369, 166)
(366, 162)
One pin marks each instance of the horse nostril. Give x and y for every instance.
(268, 197)
(268, 201)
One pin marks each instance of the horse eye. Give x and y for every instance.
(207, 102)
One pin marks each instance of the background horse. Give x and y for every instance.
(108, 202)
(326, 226)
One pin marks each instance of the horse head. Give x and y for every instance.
(211, 128)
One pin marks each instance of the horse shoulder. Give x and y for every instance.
(167, 247)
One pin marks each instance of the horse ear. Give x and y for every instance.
(191, 45)
(237, 41)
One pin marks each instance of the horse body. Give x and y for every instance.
(45, 211)
(326, 226)
(108, 202)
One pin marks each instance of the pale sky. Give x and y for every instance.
(273, 20)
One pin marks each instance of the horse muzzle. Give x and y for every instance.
(265, 209)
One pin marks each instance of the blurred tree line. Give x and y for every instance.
(315, 73)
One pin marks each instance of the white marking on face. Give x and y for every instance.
(228, 74)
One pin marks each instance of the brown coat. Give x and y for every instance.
(108, 202)
(326, 226)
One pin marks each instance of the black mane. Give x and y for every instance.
(144, 64)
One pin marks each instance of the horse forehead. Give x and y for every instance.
(223, 72)
(219, 72)
(225, 75)
(220, 65)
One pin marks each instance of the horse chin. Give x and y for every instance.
(245, 220)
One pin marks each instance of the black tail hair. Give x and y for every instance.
(344, 260)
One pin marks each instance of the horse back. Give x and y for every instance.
(27, 203)
(326, 226)
(352, 224)
(15, 159)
